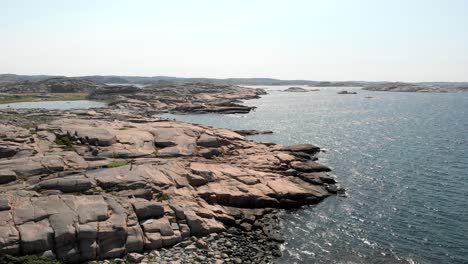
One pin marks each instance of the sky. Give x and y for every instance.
(373, 40)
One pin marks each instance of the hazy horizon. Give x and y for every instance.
(413, 41)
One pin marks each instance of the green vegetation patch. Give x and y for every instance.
(27, 260)
(117, 163)
(65, 141)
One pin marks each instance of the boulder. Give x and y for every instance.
(148, 209)
(208, 141)
(196, 180)
(135, 239)
(153, 241)
(209, 153)
(326, 178)
(9, 239)
(111, 239)
(201, 227)
(306, 148)
(66, 245)
(312, 178)
(4, 202)
(36, 237)
(171, 240)
(82, 205)
(160, 225)
(87, 240)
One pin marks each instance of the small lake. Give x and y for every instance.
(62, 105)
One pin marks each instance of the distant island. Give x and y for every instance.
(13, 81)
(428, 87)
(296, 90)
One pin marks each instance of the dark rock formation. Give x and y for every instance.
(251, 132)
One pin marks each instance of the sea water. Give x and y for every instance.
(402, 157)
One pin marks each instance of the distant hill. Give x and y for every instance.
(8, 77)
(50, 85)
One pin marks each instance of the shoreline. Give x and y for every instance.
(200, 180)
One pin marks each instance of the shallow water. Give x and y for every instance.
(403, 158)
(63, 105)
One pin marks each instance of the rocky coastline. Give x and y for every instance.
(121, 183)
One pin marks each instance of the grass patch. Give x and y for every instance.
(32, 97)
(65, 141)
(162, 197)
(27, 260)
(117, 163)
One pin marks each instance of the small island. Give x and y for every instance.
(300, 90)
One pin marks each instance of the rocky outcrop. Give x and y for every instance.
(179, 98)
(102, 184)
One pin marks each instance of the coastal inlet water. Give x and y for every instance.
(63, 105)
(402, 157)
